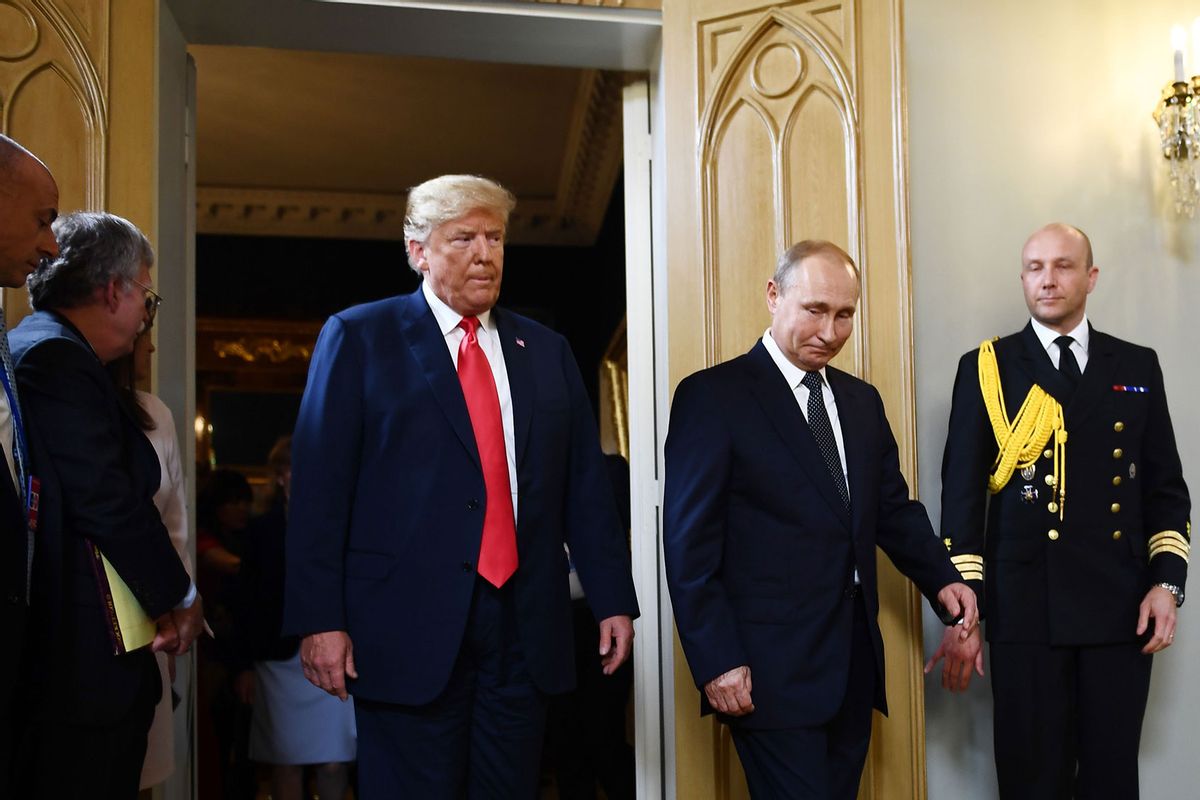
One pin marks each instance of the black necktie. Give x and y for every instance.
(1067, 364)
(822, 431)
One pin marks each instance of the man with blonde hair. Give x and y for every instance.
(443, 456)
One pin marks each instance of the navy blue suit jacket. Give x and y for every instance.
(760, 550)
(388, 498)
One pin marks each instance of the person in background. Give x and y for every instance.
(158, 424)
(294, 723)
(222, 514)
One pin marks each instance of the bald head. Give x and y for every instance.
(1057, 275)
(28, 204)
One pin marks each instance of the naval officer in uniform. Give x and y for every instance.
(1083, 547)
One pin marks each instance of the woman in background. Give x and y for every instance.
(294, 723)
(158, 424)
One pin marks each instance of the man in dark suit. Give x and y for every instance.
(28, 205)
(444, 454)
(93, 689)
(782, 476)
(1085, 538)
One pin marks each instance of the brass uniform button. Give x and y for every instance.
(1052, 507)
(1050, 480)
(1116, 535)
(1116, 508)
(1048, 454)
(1118, 426)
(1116, 480)
(1052, 535)
(1118, 453)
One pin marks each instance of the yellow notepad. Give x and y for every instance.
(130, 627)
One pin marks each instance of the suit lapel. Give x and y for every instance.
(1036, 363)
(520, 378)
(428, 347)
(779, 404)
(1102, 362)
(848, 406)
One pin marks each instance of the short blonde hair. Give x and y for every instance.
(441, 199)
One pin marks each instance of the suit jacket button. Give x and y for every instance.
(472, 505)
(1116, 535)
(468, 566)
(1118, 426)
(1052, 535)
(1116, 508)
(1118, 453)
(1116, 480)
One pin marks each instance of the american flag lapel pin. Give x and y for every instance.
(520, 342)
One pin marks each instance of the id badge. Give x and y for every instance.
(33, 498)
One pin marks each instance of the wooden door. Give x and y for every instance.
(786, 122)
(77, 88)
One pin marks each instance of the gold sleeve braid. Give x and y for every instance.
(1021, 439)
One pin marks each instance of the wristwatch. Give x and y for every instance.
(1175, 591)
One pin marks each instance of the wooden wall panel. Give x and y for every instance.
(786, 121)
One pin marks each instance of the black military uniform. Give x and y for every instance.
(1065, 572)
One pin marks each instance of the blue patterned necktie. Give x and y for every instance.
(822, 431)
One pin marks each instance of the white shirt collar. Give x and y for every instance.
(791, 373)
(447, 318)
(1080, 333)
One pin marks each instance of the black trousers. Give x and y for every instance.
(61, 759)
(1068, 720)
(823, 762)
(481, 738)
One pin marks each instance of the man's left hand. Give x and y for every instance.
(959, 600)
(616, 641)
(1160, 604)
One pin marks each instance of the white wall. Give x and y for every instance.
(1022, 113)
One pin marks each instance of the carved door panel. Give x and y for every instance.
(786, 122)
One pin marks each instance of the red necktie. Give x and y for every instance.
(498, 550)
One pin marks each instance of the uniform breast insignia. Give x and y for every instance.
(1132, 470)
(1029, 473)
(1029, 494)
(1122, 388)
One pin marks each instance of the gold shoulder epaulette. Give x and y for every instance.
(1021, 439)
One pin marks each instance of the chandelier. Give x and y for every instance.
(1178, 120)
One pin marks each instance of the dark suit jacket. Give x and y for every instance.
(258, 593)
(1124, 483)
(99, 474)
(760, 550)
(14, 613)
(388, 497)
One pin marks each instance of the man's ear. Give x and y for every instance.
(111, 294)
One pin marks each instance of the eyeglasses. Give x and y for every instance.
(153, 301)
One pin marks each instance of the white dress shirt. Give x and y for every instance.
(489, 340)
(1080, 333)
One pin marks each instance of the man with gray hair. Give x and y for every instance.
(28, 204)
(444, 454)
(95, 681)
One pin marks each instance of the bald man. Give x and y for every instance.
(1084, 544)
(28, 204)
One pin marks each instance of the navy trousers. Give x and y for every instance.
(481, 737)
(823, 762)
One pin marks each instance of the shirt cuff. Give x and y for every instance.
(189, 599)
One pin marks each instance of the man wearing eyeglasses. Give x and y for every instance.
(28, 204)
(95, 683)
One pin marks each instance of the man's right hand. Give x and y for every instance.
(189, 622)
(327, 659)
(730, 693)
